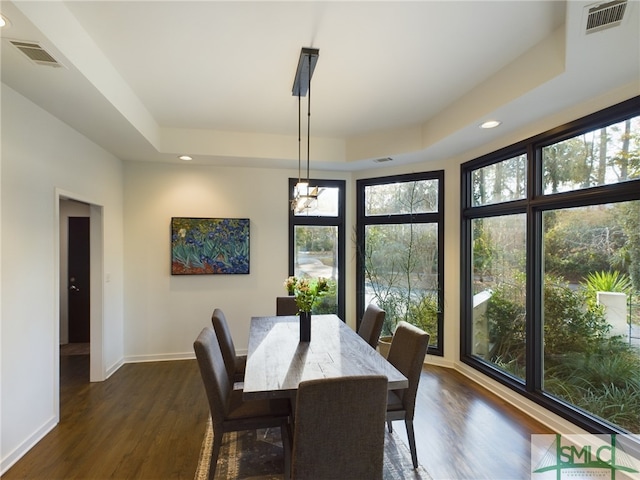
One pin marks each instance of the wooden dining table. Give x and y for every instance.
(277, 361)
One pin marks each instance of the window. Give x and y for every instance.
(400, 237)
(317, 241)
(551, 268)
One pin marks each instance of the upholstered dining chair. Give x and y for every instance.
(407, 352)
(286, 306)
(339, 428)
(229, 412)
(371, 324)
(235, 363)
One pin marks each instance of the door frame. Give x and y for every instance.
(97, 372)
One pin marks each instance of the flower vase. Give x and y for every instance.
(305, 326)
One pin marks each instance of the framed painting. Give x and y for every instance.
(202, 246)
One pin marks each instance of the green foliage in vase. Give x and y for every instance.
(308, 292)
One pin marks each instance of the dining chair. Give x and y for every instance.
(229, 412)
(371, 324)
(286, 306)
(339, 428)
(235, 363)
(407, 352)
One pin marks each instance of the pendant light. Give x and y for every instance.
(305, 197)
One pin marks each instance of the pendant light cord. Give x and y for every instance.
(308, 123)
(299, 136)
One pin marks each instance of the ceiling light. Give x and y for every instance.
(4, 21)
(185, 158)
(305, 197)
(490, 124)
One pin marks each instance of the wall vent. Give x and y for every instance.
(605, 15)
(36, 53)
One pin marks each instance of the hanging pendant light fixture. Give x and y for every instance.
(305, 197)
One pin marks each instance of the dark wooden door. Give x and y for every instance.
(78, 284)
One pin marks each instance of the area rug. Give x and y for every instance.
(258, 455)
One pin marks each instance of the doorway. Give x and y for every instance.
(80, 233)
(75, 296)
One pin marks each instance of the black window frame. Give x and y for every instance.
(431, 217)
(326, 221)
(534, 205)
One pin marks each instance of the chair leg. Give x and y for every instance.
(215, 451)
(285, 433)
(389, 426)
(412, 442)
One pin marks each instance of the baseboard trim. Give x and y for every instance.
(22, 449)
(162, 357)
(114, 368)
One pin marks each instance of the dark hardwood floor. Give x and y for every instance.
(147, 422)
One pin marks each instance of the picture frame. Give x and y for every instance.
(209, 246)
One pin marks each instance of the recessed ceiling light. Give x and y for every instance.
(4, 21)
(490, 124)
(186, 158)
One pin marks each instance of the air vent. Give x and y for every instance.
(605, 15)
(382, 160)
(36, 53)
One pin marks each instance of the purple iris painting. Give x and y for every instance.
(209, 245)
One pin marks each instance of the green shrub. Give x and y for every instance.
(568, 325)
(506, 316)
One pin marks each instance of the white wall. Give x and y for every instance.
(165, 313)
(40, 157)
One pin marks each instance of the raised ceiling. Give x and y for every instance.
(409, 80)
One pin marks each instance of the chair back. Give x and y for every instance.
(371, 324)
(214, 374)
(221, 327)
(407, 352)
(339, 428)
(286, 306)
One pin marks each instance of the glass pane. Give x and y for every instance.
(326, 206)
(602, 157)
(591, 310)
(316, 255)
(501, 182)
(499, 311)
(401, 274)
(401, 198)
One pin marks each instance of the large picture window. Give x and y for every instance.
(317, 241)
(551, 268)
(400, 238)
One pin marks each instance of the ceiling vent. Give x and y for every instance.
(36, 53)
(605, 15)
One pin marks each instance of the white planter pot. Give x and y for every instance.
(384, 343)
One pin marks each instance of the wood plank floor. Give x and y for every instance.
(147, 422)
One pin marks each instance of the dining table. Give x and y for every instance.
(277, 361)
